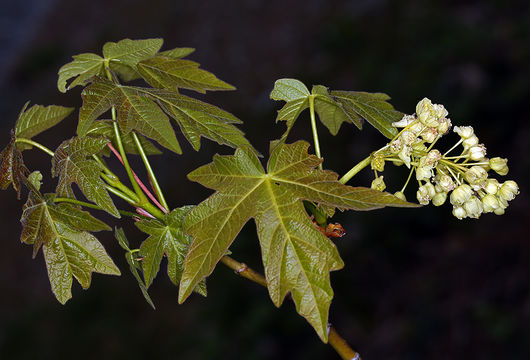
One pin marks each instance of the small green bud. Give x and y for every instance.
(427, 113)
(476, 175)
(424, 172)
(425, 193)
(378, 184)
(473, 207)
(461, 194)
(470, 142)
(446, 183)
(464, 131)
(490, 203)
(508, 190)
(477, 152)
(491, 186)
(499, 165)
(439, 199)
(444, 126)
(459, 212)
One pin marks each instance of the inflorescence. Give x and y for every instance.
(461, 178)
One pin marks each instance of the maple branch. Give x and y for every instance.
(337, 342)
(150, 172)
(354, 170)
(314, 128)
(36, 144)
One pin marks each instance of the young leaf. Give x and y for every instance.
(331, 113)
(67, 251)
(12, 168)
(296, 256)
(124, 55)
(373, 107)
(134, 265)
(104, 128)
(171, 73)
(135, 112)
(177, 53)
(75, 217)
(289, 90)
(82, 69)
(73, 163)
(37, 119)
(166, 238)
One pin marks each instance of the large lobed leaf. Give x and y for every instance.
(69, 250)
(166, 238)
(335, 107)
(144, 110)
(297, 257)
(37, 119)
(73, 163)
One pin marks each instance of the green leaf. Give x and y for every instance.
(68, 252)
(12, 168)
(104, 128)
(124, 55)
(177, 53)
(134, 265)
(135, 112)
(296, 256)
(75, 217)
(82, 69)
(37, 119)
(166, 238)
(73, 163)
(35, 178)
(171, 73)
(288, 90)
(331, 113)
(197, 119)
(373, 107)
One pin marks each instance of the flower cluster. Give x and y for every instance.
(462, 178)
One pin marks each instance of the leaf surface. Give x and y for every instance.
(73, 163)
(81, 69)
(373, 107)
(171, 73)
(165, 238)
(124, 55)
(297, 257)
(12, 168)
(38, 118)
(68, 252)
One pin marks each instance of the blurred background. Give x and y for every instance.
(418, 284)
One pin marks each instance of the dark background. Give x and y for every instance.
(418, 284)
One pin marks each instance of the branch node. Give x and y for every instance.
(243, 267)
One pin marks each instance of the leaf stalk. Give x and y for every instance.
(314, 128)
(36, 144)
(354, 170)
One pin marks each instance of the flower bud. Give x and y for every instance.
(464, 131)
(426, 113)
(499, 165)
(499, 211)
(405, 121)
(378, 162)
(470, 142)
(416, 128)
(440, 111)
(425, 193)
(477, 152)
(473, 207)
(490, 203)
(433, 156)
(439, 199)
(491, 186)
(444, 126)
(446, 183)
(508, 190)
(408, 137)
(424, 172)
(459, 212)
(378, 184)
(475, 175)
(430, 134)
(400, 195)
(461, 194)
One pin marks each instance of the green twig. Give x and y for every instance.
(314, 128)
(150, 172)
(336, 341)
(36, 144)
(354, 170)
